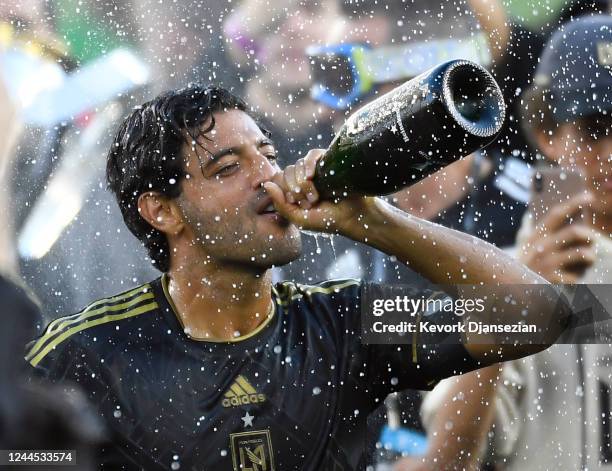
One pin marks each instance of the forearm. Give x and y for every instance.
(443, 255)
(449, 257)
(469, 406)
(492, 17)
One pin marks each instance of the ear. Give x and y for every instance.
(161, 212)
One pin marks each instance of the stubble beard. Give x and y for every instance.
(245, 245)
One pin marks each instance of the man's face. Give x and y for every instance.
(587, 144)
(285, 80)
(226, 210)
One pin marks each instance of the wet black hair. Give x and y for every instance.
(146, 154)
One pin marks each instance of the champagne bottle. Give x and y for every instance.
(412, 131)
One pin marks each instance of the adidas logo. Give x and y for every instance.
(241, 393)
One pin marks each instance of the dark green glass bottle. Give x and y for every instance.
(411, 132)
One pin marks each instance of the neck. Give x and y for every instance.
(219, 302)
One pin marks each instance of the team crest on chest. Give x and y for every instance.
(252, 451)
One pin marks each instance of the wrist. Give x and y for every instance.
(369, 218)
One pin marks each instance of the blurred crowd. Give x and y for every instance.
(70, 70)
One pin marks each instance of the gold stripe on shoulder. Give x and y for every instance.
(331, 288)
(291, 291)
(52, 325)
(92, 323)
(87, 313)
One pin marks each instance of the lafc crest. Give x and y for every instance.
(252, 451)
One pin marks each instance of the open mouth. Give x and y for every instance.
(266, 208)
(269, 210)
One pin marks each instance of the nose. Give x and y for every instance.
(263, 171)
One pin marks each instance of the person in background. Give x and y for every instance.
(10, 128)
(182, 41)
(47, 50)
(32, 417)
(552, 411)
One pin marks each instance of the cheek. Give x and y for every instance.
(595, 165)
(602, 204)
(574, 150)
(577, 154)
(214, 208)
(229, 214)
(375, 30)
(232, 209)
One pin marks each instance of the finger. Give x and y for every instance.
(304, 204)
(279, 179)
(582, 256)
(291, 186)
(306, 188)
(539, 245)
(562, 276)
(279, 201)
(300, 173)
(574, 235)
(560, 214)
(309, 189)
(310, 161)
(289, 176)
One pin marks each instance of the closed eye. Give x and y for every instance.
(227, 170)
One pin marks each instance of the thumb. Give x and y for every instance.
(278, 199)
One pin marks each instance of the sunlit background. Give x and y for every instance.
(69, 70)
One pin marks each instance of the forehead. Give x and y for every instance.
(232, 128)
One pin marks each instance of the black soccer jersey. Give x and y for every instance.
(295, 394)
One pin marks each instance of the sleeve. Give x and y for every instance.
(59, 365)
(398, 367)
(76, 368)
(423, 359)
(508, 424)
(20, 316)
